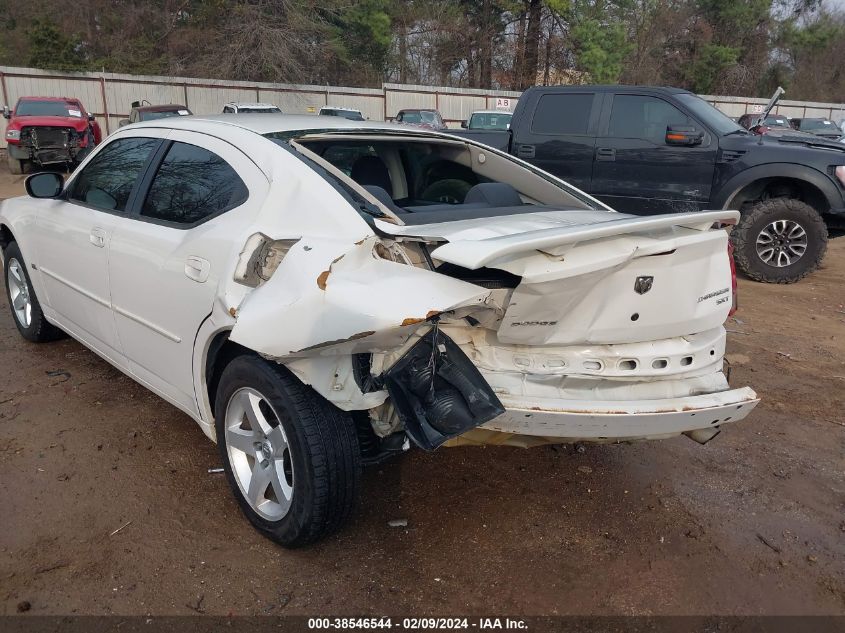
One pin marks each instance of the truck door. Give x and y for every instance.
(560, 136)
(635, 171)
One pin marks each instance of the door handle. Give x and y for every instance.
(197, 268)
(525, 151)
(606, 153)
(97, 237)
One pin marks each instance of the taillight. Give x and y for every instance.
(260, 258)
(734, 303)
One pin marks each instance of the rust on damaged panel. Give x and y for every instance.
(323, 277)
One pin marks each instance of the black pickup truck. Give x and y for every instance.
(662, 150)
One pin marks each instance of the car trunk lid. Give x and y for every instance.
(595, 276)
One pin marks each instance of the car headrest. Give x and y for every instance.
(494, 194)
(371, 170)
(382, 196)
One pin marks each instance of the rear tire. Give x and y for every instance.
(780, 240)
(23, 303)
(291, 457)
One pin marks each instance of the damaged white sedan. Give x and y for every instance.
(317, 299)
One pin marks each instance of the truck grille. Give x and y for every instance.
(49, 137)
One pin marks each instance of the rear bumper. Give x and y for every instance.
(613, 421)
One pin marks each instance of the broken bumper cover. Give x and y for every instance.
(614, 421)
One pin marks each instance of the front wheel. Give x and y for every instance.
(24, 304)
(780, 240)
(291, 457)
(17, 166)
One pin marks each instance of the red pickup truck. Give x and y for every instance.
(47, 130)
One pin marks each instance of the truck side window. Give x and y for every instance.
(638, 116)
(562, 114)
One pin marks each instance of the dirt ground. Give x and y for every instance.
(752, 523)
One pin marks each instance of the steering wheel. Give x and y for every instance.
(449, 191)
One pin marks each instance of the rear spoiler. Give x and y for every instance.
(475, 254)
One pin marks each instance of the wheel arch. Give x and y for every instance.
(6, 236)
(813, 187)
(218, 353)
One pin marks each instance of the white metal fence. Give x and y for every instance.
(108, 96)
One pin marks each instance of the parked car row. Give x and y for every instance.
(320, 298)
(778, 125)
(641, 150)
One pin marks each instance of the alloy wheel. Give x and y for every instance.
(19, 293)
(259, 454)
(782, 243)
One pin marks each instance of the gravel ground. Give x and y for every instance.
(752, 523)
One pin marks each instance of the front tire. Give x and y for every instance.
(291, 457)
(23, 302)
(17, 166)
(780, 240)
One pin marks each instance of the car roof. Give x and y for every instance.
(418, 110)
(161, 108)
(609, 88)
(246, 131)
(62, 99)
(331, 107)
(223, 124)
(247, 104)
(492, 112)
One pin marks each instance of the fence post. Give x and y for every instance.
(3, 86)
(384, 101)
(105, 103)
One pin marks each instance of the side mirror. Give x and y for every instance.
(91, 118)
(45, 185)
(122, 122)
(683, 135)
(7, 114)
(464, 125)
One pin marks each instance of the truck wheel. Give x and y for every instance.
(780, 240)
(26, 310)
(17, 166)
(291, 457)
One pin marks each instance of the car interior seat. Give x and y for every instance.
(371, 170)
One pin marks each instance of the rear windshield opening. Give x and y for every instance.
(425, 181)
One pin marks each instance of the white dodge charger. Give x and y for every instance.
(319, 295)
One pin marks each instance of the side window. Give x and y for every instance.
(228, 110)
(192, 184)
(563, 114)
(637, 116)
(344, 157)
(107, 180)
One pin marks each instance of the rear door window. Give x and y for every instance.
(107, 181)
(563, 114)
(192, 184)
